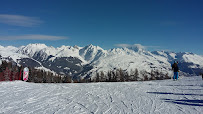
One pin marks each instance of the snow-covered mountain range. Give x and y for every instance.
(86, 61)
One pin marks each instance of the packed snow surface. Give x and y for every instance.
(149, 97)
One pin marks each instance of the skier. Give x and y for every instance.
(176, 70)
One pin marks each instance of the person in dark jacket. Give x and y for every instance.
(175, 70)
(202, 76)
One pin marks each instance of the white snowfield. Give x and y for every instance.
(184, 96)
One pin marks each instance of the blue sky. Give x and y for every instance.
(175, 25)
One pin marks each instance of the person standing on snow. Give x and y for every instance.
(176, 70)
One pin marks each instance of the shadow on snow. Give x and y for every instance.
(182, 101)
(167, 93)
(185, 102)
(192, 89)
(185, 85)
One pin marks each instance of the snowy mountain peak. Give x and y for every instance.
(135, 47)
(63, 47)
(91, 53)
(76, 47)
(37, 45)
(161, 53)
(31, 49)
(90, 46)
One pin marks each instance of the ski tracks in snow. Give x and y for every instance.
(151, 97)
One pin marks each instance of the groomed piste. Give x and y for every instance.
(148, 97)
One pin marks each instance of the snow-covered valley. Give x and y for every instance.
(143, 97)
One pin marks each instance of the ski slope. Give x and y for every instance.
(184, 96)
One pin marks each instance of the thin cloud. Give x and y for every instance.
(123, 45)
(19, 20)
(155, 47)
(33, 37)
(138, 46)
(130, 45)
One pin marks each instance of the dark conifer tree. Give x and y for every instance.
(136, 75)
(152, 75)
(122, 78)
(102, 77)
(97, 77)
